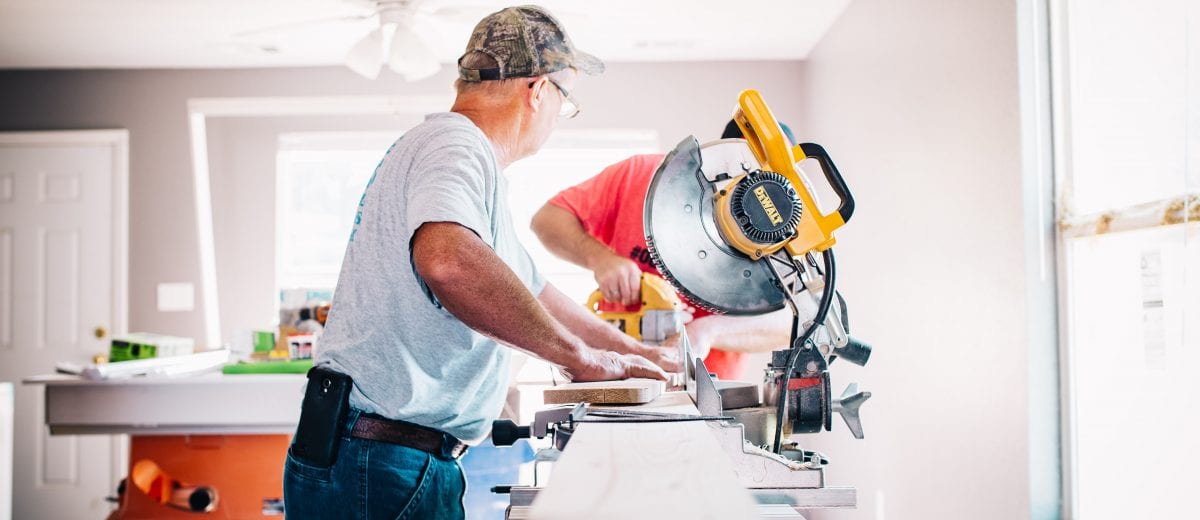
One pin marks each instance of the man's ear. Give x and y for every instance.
(536, 97)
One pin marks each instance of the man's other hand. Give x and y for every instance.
(665, 356)
(610, 366)
(699, 337)
(619, 278)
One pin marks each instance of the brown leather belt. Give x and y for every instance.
(376, 428)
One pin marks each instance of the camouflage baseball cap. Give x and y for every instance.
(525, 41)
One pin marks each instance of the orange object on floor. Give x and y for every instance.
(150, 479)
(246, 470)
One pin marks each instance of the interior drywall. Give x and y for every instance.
(918, 103)
(673, 99)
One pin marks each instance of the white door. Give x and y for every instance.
(62, 284)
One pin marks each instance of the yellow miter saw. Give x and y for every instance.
(734, 225)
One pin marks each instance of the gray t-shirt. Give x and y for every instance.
(410, 358)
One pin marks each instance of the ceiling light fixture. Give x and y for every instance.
(397, 42)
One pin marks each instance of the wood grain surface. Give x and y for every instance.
(629, 391)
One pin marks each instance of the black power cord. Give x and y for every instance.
(797, 346)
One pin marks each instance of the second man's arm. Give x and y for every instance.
(559, 230)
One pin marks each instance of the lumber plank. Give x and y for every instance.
(629, 391)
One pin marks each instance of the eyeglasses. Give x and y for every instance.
(569, 108)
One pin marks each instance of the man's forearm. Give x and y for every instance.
(594, 331)
(479, 289)
(762, 333)
(562, 234)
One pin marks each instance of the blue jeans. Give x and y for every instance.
(374, 480)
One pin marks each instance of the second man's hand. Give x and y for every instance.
(619, 278)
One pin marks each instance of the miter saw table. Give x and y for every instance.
(701, 459)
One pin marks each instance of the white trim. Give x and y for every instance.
(1060, 83)
(1040, 281)
(207, 252)
(200, 109)
(115, 137)
(326, 105)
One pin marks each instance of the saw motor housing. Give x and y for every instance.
(763, 211)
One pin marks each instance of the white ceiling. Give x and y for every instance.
(205, 33)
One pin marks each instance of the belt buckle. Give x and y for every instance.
(452, 447)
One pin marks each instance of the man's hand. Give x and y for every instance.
(606, 365)
(619, 278)
(665, 356)
(561, 232)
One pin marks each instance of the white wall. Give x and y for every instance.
(917, 102)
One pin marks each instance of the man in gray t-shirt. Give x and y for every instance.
(435, 288)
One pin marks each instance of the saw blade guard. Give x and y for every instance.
(683, 238)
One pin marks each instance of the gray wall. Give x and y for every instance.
(674, 99)
(917, 101)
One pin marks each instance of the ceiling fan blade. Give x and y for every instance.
(474, 13)
(300, 23)
(410, 56)
(366, 57)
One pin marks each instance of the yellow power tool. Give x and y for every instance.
(659, 316)
(734, 225)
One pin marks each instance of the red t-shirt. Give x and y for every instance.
(610, 207)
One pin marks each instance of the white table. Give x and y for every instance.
(203, 404)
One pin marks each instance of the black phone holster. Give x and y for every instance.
(326, 402)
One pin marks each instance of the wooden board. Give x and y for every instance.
(650, 470)
(629, 391)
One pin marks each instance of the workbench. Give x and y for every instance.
(227, 432)
(208, 403)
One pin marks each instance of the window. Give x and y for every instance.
(1128, 147)
(321, 177)
(567, 159)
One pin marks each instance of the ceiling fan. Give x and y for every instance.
(397, 41)
(401, 39)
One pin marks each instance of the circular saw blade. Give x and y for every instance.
(682, 233)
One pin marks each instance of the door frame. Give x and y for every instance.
(118, 141)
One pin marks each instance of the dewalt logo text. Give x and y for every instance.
(767, 205)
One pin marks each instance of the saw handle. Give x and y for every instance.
(846, 206)
(593, 303)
